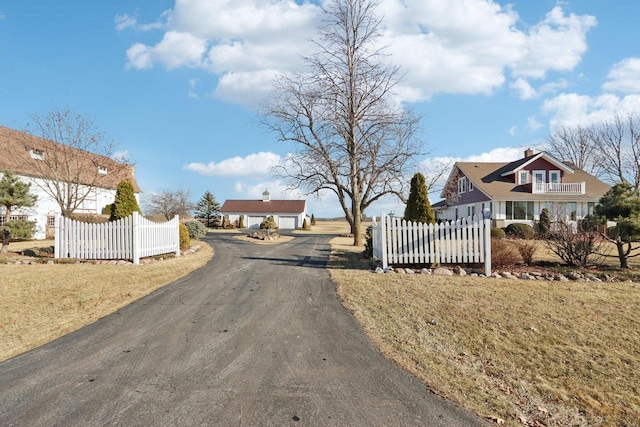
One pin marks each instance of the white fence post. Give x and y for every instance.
(57, 238)
(177, 226)
(487, 242)
(135, 237)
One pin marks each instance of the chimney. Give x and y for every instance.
(265, 196)
(528, 152)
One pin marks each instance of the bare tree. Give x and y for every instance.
(71, 156)
(352, 136)
(618, 141)
(168, 204)
(575, 145)
(609, 149)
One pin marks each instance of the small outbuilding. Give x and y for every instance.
(288, 214)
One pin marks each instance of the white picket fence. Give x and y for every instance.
(131, 238)
(465, 241)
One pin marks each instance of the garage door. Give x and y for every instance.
(288, 222)
(254, 221)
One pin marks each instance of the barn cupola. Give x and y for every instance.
(265, 196)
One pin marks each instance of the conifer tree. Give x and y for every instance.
(14, 194)
(125, 202)
(418, 207)
(207, 208)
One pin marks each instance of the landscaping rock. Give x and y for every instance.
(379, 270)
(425, 271)
(459, 271)
(440, 271)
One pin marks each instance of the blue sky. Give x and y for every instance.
(176, 83)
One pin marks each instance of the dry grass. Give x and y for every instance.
(39, 303)
(524, 352)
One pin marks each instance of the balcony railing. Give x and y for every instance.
(558, 188)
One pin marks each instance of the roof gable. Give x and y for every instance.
(514, 167)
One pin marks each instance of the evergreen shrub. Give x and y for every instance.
(185, 240)
(196, 229)
(520, 231)
(497, 233)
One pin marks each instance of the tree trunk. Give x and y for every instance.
(5, 241)
(356, 226)
(622, 254)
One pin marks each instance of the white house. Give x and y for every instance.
(288, 214)
(100, 175)
(516, 192)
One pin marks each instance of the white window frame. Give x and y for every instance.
(521, 175)
(539, 173)
(553, 174)
(102, 170)
(462, 184)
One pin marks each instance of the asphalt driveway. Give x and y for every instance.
(257, 337)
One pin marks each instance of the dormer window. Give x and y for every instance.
(37, 154)
(102, 170)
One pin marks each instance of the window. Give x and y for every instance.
(3, 218)
(539, 177)
(554, 177)
(470, 186)
(102, 170)
(572, 210)
(37, 154)
(471, 211)
(523, 177)
(462, 184)
(590, 206)
(51, 221)
(520, 210)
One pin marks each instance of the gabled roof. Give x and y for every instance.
(15, 155)
(515, 166)
(496, 182)
(260, 207)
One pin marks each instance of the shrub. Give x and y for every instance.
(544, 224)
(313, 220)
(196, 229)
(527, 249)
(185, 240)
(90, 218)
(125, 202)
(497, 233)
(241, 222)
(503, 253)
(21, 229)
(268, 224)
(520, 231)
(304, 224)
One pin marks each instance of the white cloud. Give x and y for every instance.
(533, 124)
(254, 164)
(126, 21)
(624, 77)
(523, 89)
(457, 46)
(557, 43)
(571, 109)
(512, 130)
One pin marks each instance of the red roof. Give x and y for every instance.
(268, 207)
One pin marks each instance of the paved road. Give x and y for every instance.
(257, 337)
